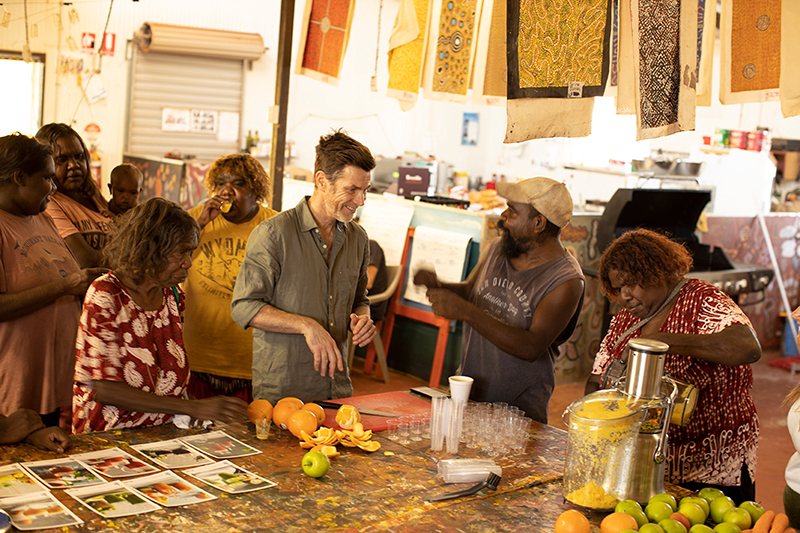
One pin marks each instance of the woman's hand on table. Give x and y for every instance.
(18, 425)
(51, 438)
(219, 409)
(78, 282)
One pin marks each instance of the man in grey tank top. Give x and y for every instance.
(520, 303)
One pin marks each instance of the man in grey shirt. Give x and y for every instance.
(303, 283)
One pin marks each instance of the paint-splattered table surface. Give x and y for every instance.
(381, 491)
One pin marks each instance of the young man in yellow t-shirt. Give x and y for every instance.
(220, 352)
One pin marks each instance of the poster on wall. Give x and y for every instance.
(204, 121)
(175, 119)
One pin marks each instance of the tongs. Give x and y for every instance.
(491, 482)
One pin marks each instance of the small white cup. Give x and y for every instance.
(460, 387)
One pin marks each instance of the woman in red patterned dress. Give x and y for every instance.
(712, 345)
(131, 367)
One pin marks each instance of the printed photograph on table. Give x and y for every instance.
(219, 445)
(62, 473)
(113, 500)
(15, 481)
(169, 490)
(38, 511)
(228, 477)
(114, 463)
(172, 454)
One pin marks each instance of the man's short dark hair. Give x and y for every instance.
(338, 150)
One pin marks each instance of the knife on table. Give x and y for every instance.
(334, 405)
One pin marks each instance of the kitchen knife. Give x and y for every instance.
(333, 405)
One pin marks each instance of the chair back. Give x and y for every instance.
(393, 275)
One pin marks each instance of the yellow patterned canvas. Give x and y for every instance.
(405, 60)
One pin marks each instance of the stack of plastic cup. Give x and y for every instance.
(440, 407)
(460, 387)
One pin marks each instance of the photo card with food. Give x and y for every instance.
(113, 500)
(114, 463)
(15, 481)
(38, 511)
(63, 473)
(169, 489)
(219, 445)
(226, 476)
(172, 454)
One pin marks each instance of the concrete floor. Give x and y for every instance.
(770, 386)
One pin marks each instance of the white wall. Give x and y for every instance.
(315, 107)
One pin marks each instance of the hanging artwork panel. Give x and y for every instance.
(750, 53)
(706, 35)
(626, 81)
(407, 51)
(450, 49)
(323, 41)
(790, 51)
(665, 67)
(490, 75)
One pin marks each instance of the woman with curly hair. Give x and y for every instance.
(131, 367)
(221, 351)
(78, 208)
(711, 345)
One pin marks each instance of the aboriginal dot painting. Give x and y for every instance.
(558, 49)
(405, 61)
(454, 47)
(327, 31)
(755, 45)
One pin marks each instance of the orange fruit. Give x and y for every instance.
(301, 420)
(318, 411)
(616, 522)
(573, 521)
(282, 412)
(347, 416)
(259, 409)
(297, 401)
(329, 451)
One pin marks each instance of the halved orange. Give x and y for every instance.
(259, 409)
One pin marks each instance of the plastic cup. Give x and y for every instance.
(460, 387)
(262, 428)
(403, 434)
(391, 429)
(415, 428)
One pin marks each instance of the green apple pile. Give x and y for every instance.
(693, 514)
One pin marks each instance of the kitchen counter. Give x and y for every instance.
(362, 491)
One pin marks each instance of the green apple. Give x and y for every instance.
(638, 515)
(720, 506)
(738, 516)
(727, 527)
(700, 528)
(657, 511)
(682, 519)
(667, 498)
(624, 505)
(651, 528)
(670, 525)
(696, 500)
(315, 463)
(755, 509)
(710, 494)
(693, 512)
(627, 531)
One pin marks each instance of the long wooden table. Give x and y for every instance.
(380, 491)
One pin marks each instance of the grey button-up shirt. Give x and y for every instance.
(287, 266)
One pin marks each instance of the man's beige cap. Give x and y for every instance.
(550, 197)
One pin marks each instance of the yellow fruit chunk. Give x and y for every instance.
(329, 451)
(306, 445)
(371, 446)
(347, 416)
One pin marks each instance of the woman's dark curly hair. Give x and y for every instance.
(20, 153)
(146, 235)
(245, 166)
(644, 258)
(50, 134)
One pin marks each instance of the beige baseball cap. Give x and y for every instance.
(548, 196)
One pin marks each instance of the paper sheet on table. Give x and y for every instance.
(446, 251)
(387, 221)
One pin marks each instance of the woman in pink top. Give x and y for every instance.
(40, 283)
(78, 209)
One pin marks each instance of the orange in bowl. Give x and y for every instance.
(259, 409)
(302, 420)
(282, 412)
(318, 411)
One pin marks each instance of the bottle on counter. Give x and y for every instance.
(254, 145)
(249, 141)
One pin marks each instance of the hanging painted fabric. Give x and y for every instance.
(490, 75)
(706, 34)
(626, 82)
(323, 41)
(665, 67)
(750, 54)
(613, 51)
(450, 50)
(558, 59)
(790, 51)
(407, 51)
